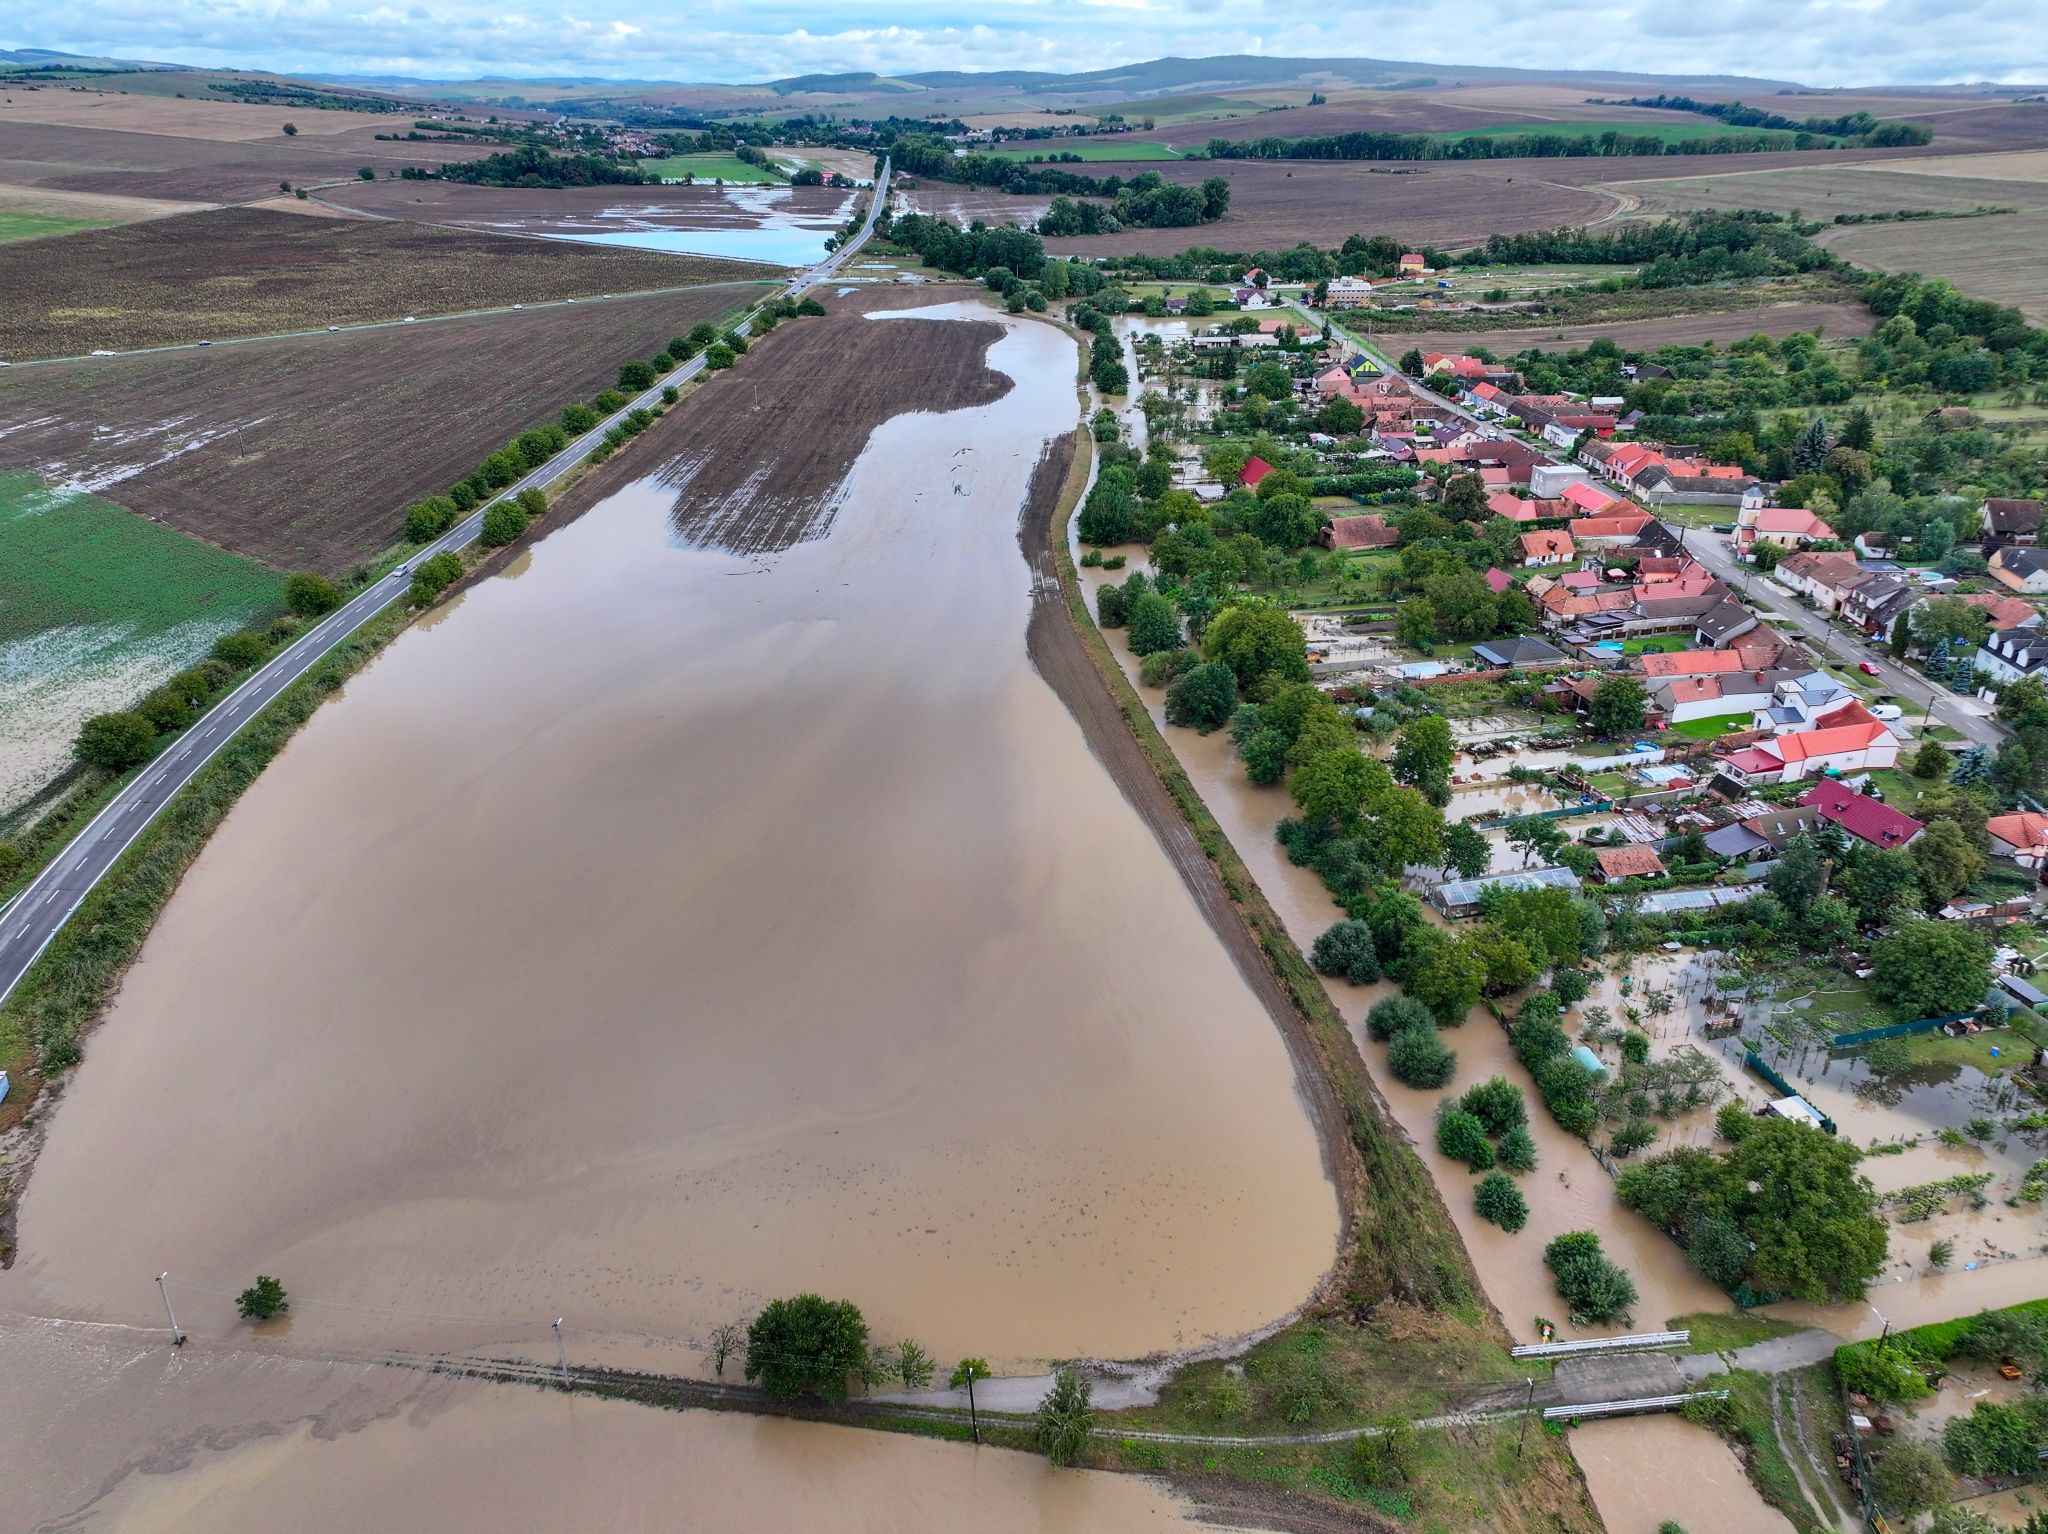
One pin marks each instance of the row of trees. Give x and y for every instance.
(1865, 130)
(809, 1345)
(1534, 145)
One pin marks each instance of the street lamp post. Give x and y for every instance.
(561, 1353)
(177, 1336)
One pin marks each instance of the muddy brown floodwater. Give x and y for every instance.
(105, 1437)
(666, 929)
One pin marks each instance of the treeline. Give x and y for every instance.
(1363, 145)
(533, 166)
(1147, 200)
(1859, 127)
(271, 93)
(1682, 252)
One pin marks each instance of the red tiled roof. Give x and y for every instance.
(1499, 580)
(1692, 663)
(2022, 828)
(1863, 817)
(1366, 532)
(1625, 525)
(1695, 689)
(1513, 507)
(1634, 862)
(1546, 546)
(1589, 498)
(1794, 520)
(1255, 469)
(2000, 611)
(1807, 745)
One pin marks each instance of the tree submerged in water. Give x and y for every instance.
(263, 1299)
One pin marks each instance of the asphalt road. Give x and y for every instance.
(38, 913)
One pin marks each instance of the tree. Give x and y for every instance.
(1595, 1289)
(1347, 949)
(1154, 625)
(1931, 968)
(1450, 980)
(503, 522)
(1411, 362)
(1910, 1478)
(1498, 1199)
(1257, 642)
(807, 1344)
(1810, 452)
(1418, 1058)
(1331, 786)
(262, 1300)
(114, 742)
(310, 596)
(1203, 699)
(431, 577)
(1948, 861)
(718, 357)
(1065, 1418)
(1465, 498)
(726, 1340)
(1617, 707)
(1423, 754)
(291, 130)
(1497, 1104)
(1810, 1215)
(965, 1373)
(1518, 1151)
(1284, 521)
(1536, 837)
(2023, 704)
(1958, 1519)
(1392, 1015)
(1416, 623)
(636, 377)
(1338, 417)
(914, 1366)
(1930, 761)
(1467, 852)
(1462, 1137)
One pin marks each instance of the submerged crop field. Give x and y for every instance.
(97, 605)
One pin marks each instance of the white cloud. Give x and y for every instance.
(1820, 42)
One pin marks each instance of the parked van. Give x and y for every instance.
(1887, 712)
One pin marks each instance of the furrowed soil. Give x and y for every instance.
(246, 272)
(1279, 203)
(213, 118)
(1997, 258)
(201, 170)
(302, 451)
(1844, 319)
(785, 935)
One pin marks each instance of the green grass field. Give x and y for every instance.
(1661, 644)
(97, 606)
(711, 167)
(1087, 149)
(1707, 729)
(1670, 133)
(34, 226)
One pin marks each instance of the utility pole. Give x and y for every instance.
(177, 1336)
(561, 1353)
(1528, 1406)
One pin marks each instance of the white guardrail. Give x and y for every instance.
(1628, 1344)
(1633, 1408)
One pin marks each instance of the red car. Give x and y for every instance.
(1867, 667)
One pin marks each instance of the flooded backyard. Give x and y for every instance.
(665, 929)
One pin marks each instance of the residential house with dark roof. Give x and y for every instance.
(2012, 521)
(1522, 652)
(1666, 485)
(2006, 655)
(1874, 605)
(1826, 578)
(1722, 624)
(2021, 570)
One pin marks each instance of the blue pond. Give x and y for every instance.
(775, 246)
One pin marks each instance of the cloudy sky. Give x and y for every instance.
(1821, 42)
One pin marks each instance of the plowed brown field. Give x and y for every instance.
(300, 451)
(243, 271)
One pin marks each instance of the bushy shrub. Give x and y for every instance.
(1463, 1138)
(114, 741)
(1499, 1200)
(310, 596)
(1570, 986)
(503, 522)
(1393, 1015)
(1204, 699)
(1595, 1289)
(1418, 1058)
(1518, 1151)
(430, 577)
(1347, 949)
(239, 649)
(1497, 1104)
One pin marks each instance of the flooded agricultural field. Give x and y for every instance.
(1644, 1471)
(671, 927)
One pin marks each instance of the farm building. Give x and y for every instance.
(1364, 532)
